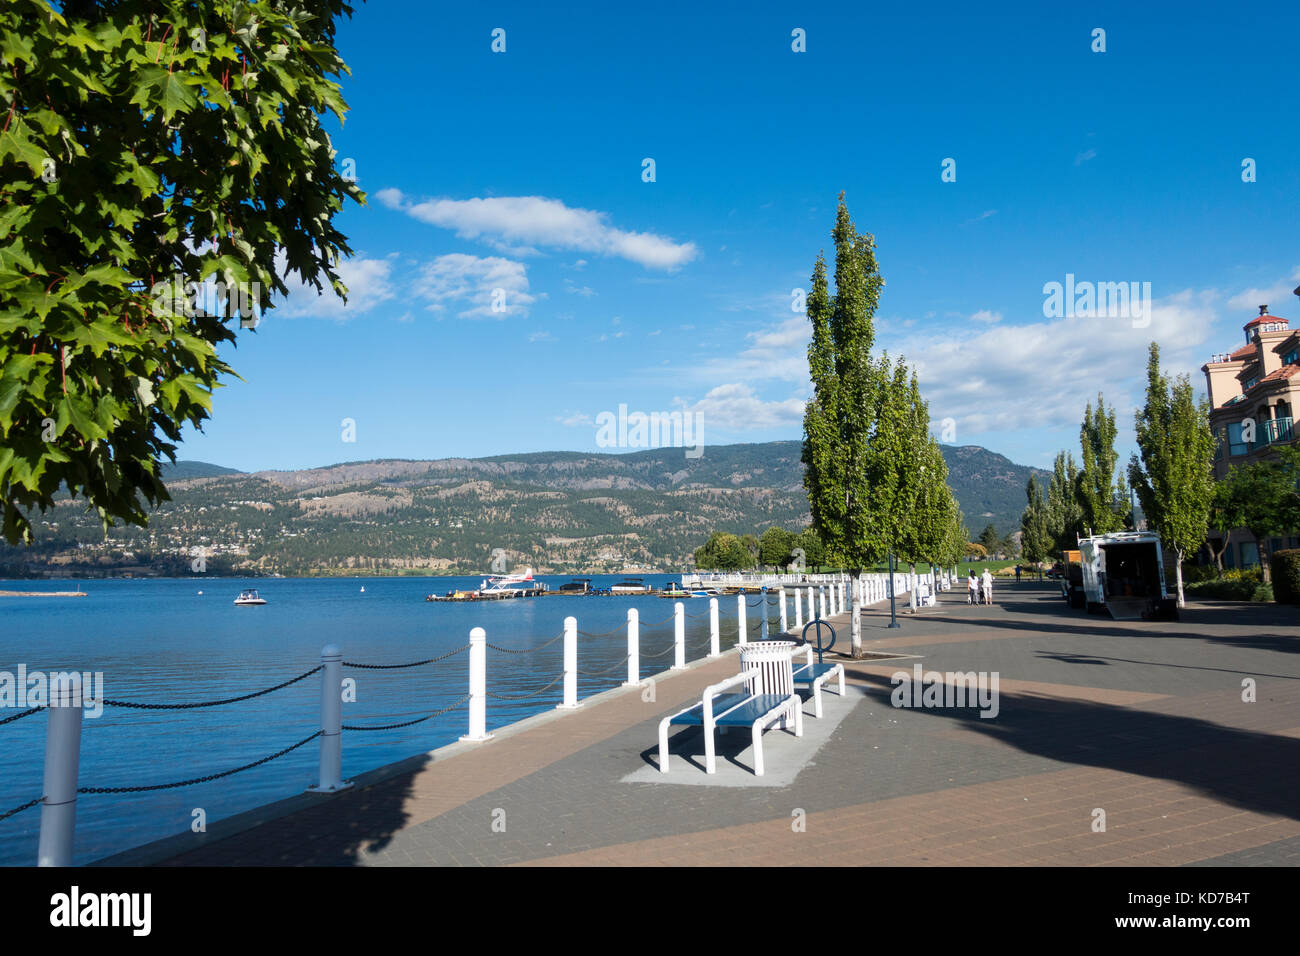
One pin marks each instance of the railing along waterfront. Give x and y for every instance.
(829, 595)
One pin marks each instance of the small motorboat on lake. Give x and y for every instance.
(249, 598)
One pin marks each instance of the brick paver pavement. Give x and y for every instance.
(1142, 720)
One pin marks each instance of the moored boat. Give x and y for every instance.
(249, 598)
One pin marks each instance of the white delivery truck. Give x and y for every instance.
(1124, 573)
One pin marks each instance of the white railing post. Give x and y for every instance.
(821, 602)
(62, 761)
(764, 614)
(742, 620)
(785, 620)
(331, 721)
(570, 665)
(798, 610)
(679, 635)
(714, 636)
(855, 613)
(477, 686)
(633, 647)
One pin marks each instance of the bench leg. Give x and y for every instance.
(663, 745)
(710, 762)
(798, 716)
(817, 698)
(841, 680)
(758, 748)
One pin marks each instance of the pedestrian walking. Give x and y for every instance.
(972, 588)
(1017, 574)
(988, 586)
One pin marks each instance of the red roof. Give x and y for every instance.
(1265, 318)
(1277, 375)
(1241, 353)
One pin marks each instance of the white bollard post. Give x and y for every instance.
(477, 686)
(821, 602)
(633, 647)
(62, 761)
(714, 636)
(570, 665)
(742, 620)
(331, 722)
(785, 620)
(679, 635)
(798, 611)
(763, 616)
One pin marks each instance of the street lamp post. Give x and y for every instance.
(893, 615)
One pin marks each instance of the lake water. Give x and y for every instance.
(160, 641)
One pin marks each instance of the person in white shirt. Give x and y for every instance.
(988, 586)
(972, 588)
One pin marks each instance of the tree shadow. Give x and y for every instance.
(315, 830)
(1252, 771)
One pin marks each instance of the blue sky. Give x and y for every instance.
(522, 171)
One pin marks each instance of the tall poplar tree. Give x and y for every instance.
(1099, 493)
(841, 417)
(1035, 539)
(1175, 479)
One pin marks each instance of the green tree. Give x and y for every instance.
(1224, 515)
(1064, 513)
(1175, 479)
(1099, 495)
(814, 550)
(1036, 541)
(839, 420)
(990, 539)
(1265, 499)
(148, 145)
(775, 546)
(928, 514)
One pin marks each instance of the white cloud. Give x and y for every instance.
(541, 336)
(1042, 374)
(523, 222)
(577, 418)
(735, 407)
(1273, 296)
(1085, 156)
(473, 282)
(369, 282)
(984, 315)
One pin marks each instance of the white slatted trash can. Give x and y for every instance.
(773, 660)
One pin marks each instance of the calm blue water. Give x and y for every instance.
(159, 641)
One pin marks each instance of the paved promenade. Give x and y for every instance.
(1144, 721)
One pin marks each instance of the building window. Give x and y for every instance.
(1291, 357)
(1249, 554)
(1236, 446)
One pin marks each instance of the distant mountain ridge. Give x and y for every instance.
(556, 511)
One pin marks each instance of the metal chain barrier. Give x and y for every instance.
(211, 776)
(525, 696)
(617, 630)
(418, 720)
(210, 703)
(26, 806)
(393, 667)
(668, 650)
(606, 670)
(526, 650)
(659, 623)
(25, 713)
